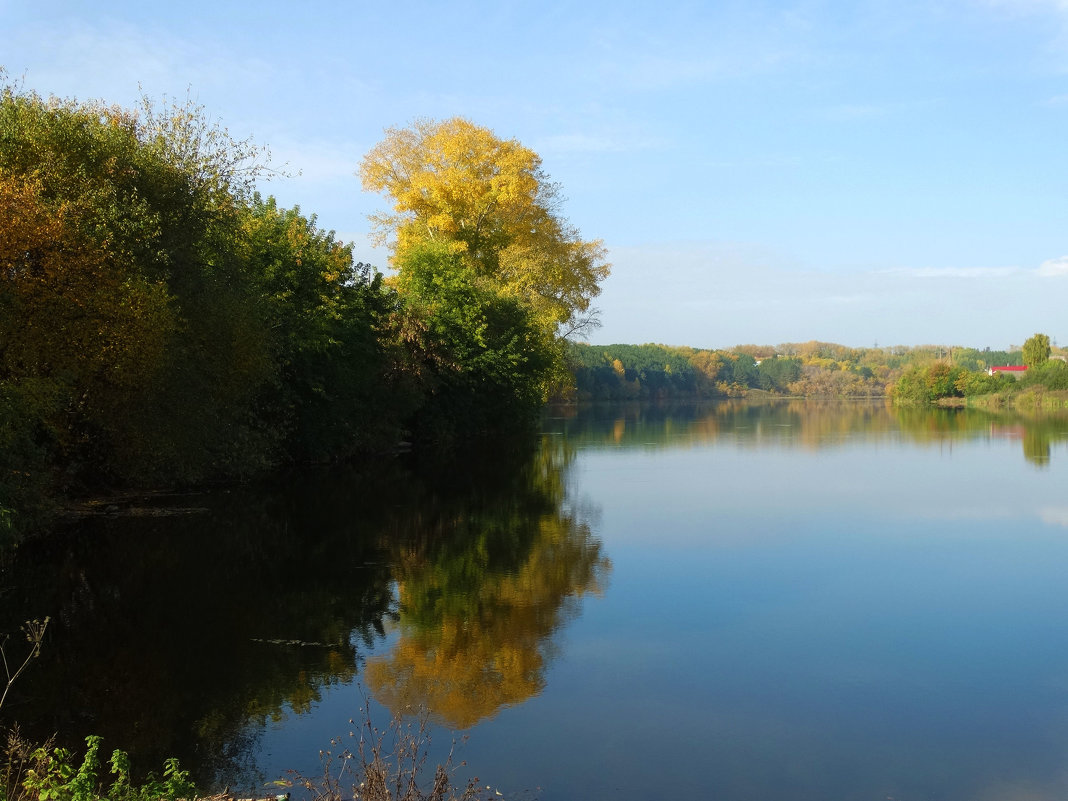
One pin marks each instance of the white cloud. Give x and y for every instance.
(720, 293)
(1054, 268)
(109, 60)
(845, 112)
(670, 47)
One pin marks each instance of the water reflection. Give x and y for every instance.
(185, 635)
(482, 590)
(809, 424)
(769, 561)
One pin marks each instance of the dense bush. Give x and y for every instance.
(1052, 375)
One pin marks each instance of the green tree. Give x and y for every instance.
(159, 322)
(328, 396)
(777, 373)
(921, 384)
(481, 357)
(1036, 350)
(155, 336)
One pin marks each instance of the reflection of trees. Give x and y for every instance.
(183, 635)
(1035, 432)
(792, 423)
(1036, 446)
(799, 423)
(482, 590)
(175, 636)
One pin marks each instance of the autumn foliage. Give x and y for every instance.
(149, 332)
(162, 323)
(489, 200)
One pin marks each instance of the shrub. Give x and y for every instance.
(53, 776)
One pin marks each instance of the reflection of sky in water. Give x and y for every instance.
(852, 622)
(844, 608)
(671, 492)
(1054, 515)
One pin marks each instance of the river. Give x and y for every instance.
(735, 601)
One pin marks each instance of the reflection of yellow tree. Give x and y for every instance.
(475, 626)
(1036, 446)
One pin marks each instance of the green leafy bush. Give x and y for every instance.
(55, 777)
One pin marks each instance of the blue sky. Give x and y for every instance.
(861, 172)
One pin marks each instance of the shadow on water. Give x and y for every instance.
(185, 635)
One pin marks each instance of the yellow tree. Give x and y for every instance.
(488, 199)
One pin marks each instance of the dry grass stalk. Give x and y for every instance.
(385, 765)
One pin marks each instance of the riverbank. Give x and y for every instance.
(1030, 400)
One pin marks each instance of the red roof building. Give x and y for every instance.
(1012, 369)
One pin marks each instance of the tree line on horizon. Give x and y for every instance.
(806, 369)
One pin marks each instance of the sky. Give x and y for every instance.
(867, 173)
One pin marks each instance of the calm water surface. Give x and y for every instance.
(806, 601)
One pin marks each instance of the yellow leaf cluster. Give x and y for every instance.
(488, 199)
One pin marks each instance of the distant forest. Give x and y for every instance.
(808, 369)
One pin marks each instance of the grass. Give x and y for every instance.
(369, 764)
(373, 764)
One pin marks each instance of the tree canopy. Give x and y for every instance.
(489, 200)
(1036, 350)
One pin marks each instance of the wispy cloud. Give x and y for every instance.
(879, 109)
(1054, 268)
(1052, 15)
(737, 286)
(953, 272)
(1051, 268)
(847, 300)
(1029, 6)
(111, 59)
(580, 143)
(675, 47)
(317, 160)
(764, 161)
